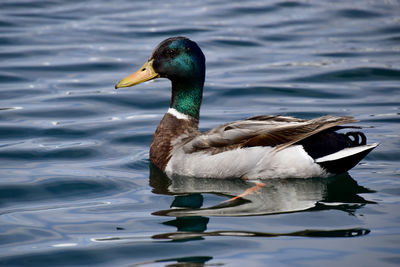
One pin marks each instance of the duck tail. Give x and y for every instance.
(345, 159)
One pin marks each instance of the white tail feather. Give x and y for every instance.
(344, 153)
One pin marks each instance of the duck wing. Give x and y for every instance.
(274, 131)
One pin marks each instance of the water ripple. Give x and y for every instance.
(355, 74)
(75, 182)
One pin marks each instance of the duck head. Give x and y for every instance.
(181, 61)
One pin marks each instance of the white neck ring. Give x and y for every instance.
(177, 114)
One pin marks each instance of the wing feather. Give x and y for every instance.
(277, 131)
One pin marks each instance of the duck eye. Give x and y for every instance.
(171, 52)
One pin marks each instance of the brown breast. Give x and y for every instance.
(168, 130)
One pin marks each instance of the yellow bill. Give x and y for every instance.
(145, 73)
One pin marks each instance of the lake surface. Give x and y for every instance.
(76, 186)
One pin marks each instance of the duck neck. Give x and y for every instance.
(186, 96)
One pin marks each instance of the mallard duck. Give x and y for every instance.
(259, 147)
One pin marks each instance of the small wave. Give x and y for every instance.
(354, 74)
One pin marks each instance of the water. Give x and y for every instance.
(76, 187)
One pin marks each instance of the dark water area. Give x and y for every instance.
(76, 186)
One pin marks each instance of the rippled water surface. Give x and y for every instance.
(76, 187)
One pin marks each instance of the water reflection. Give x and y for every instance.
(194, 261)
(278, 196)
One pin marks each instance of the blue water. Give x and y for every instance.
(76, 187)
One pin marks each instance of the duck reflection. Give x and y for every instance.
(274, 197)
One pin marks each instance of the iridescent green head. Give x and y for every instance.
(181, 61)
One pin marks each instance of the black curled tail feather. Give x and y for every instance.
(329, 142)
(356, 139)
